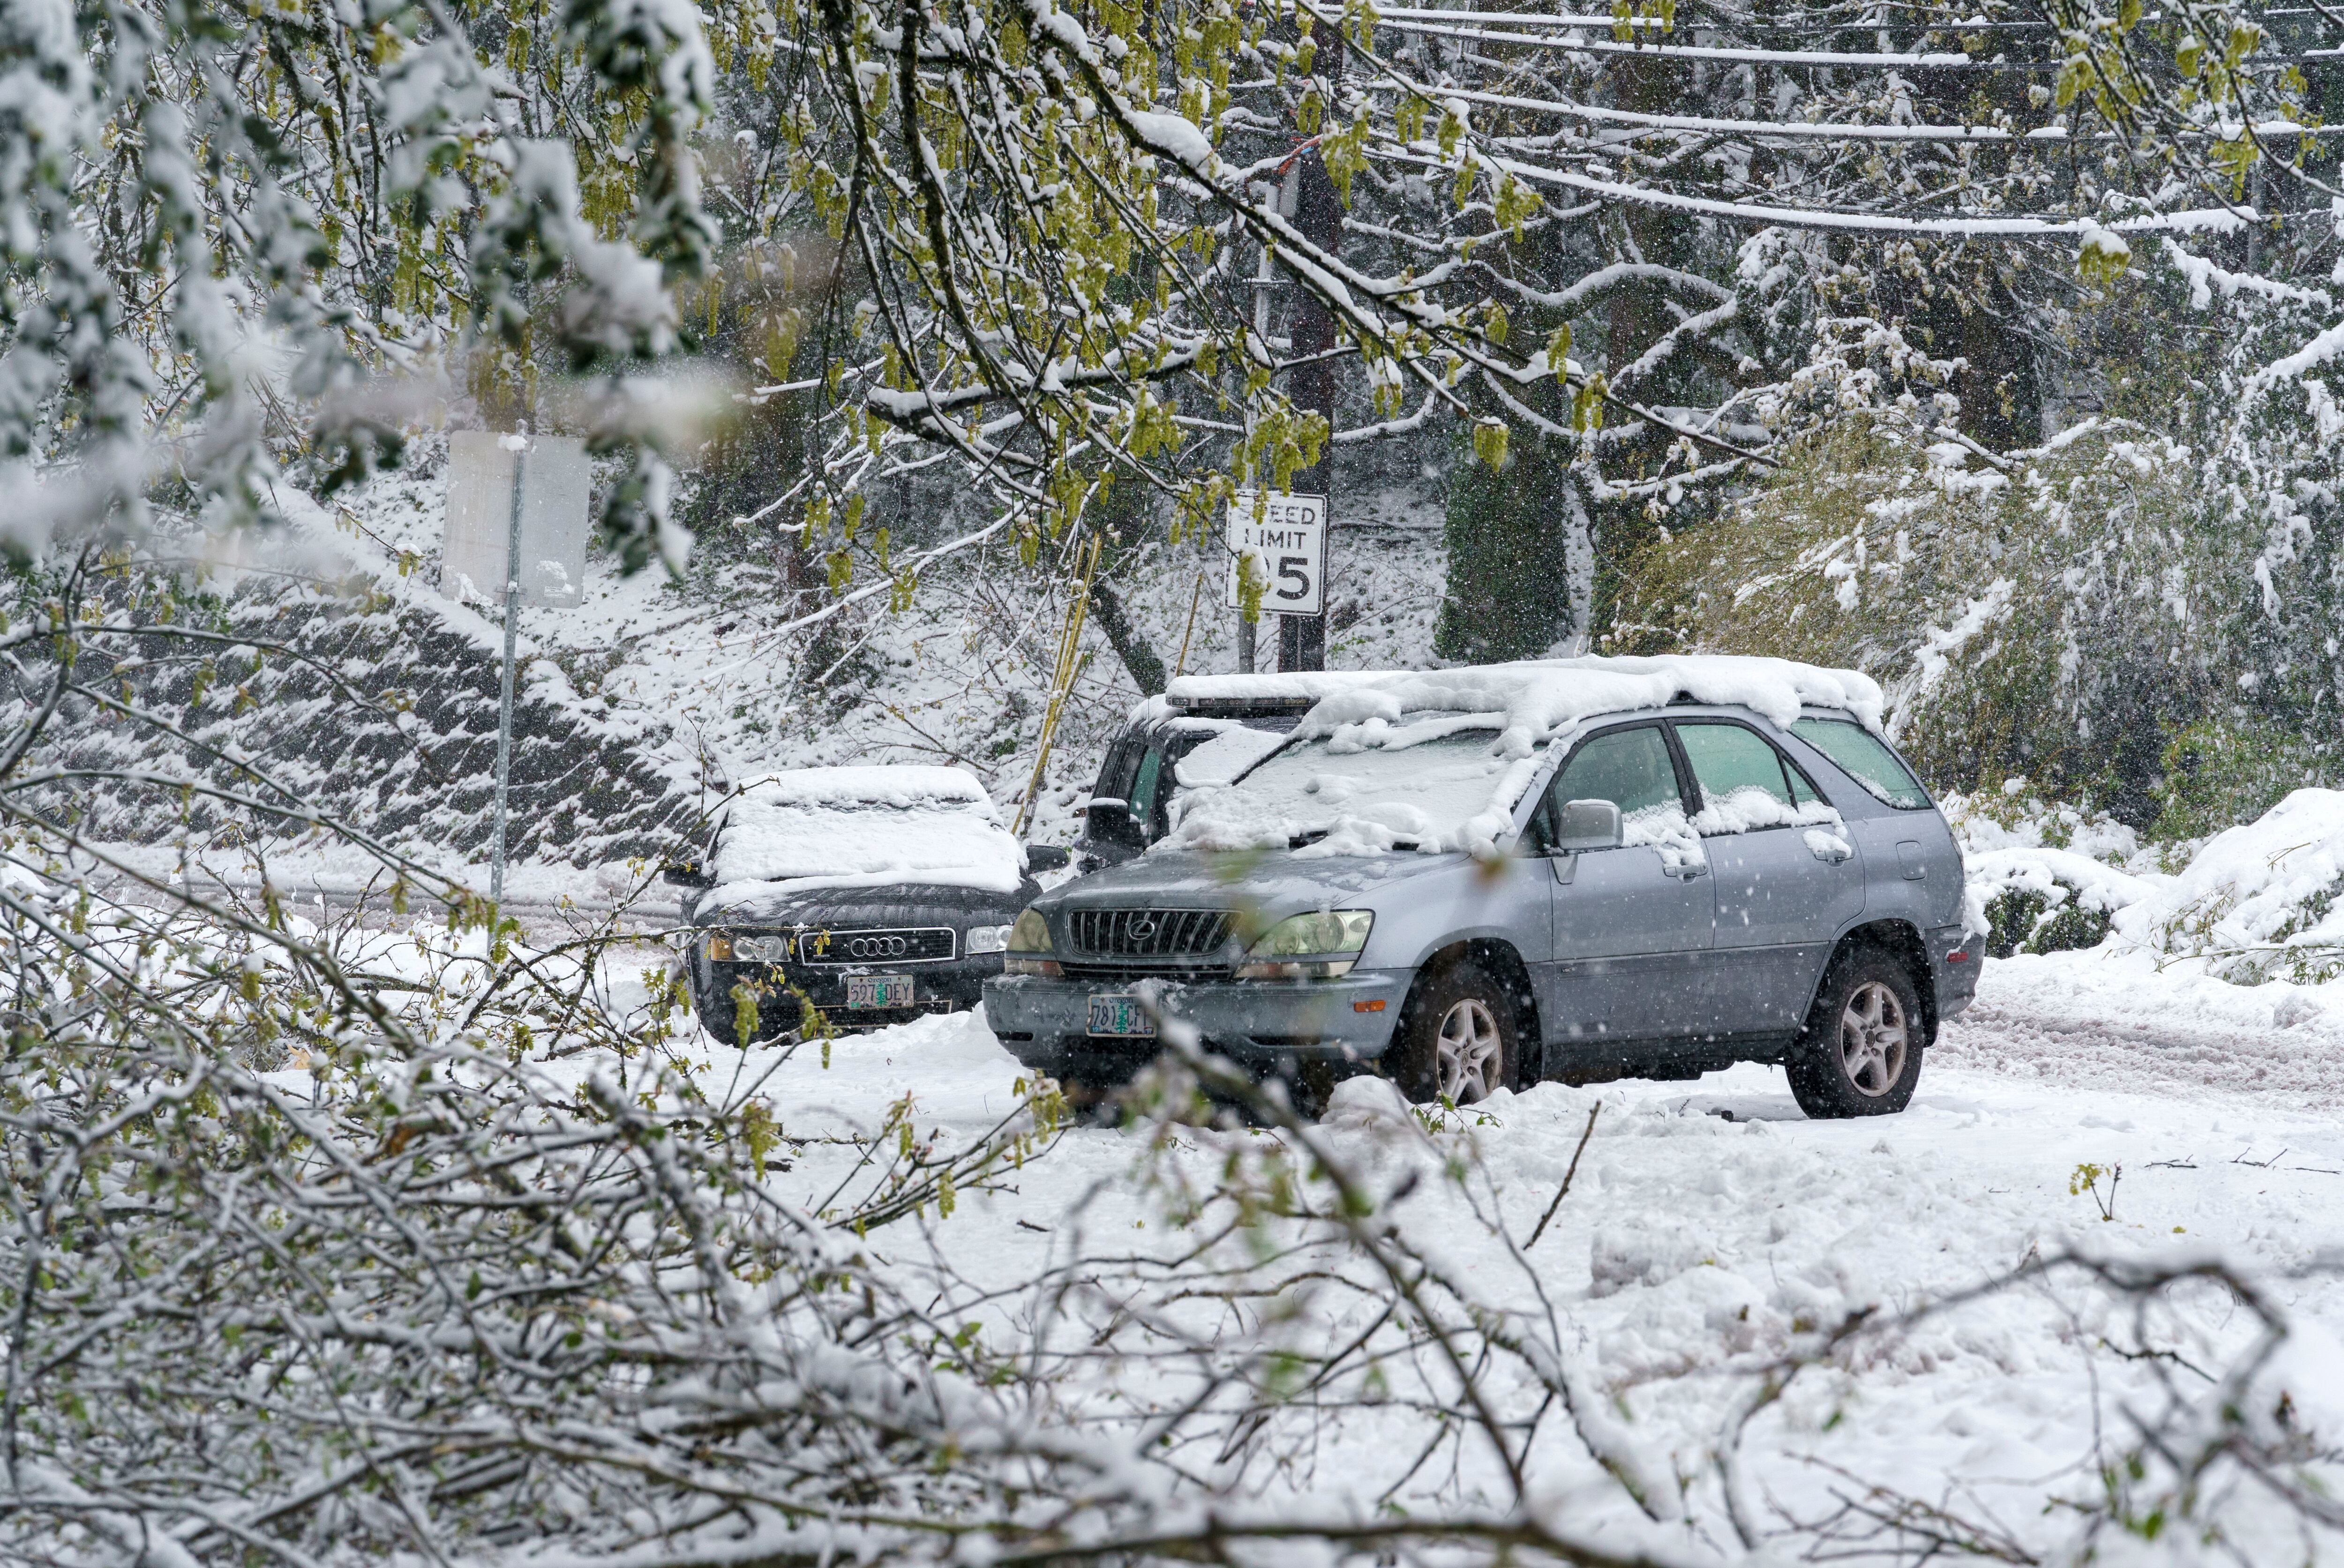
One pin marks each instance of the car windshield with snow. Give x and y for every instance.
(1203, 729)
(877, 894)
(1478, 878)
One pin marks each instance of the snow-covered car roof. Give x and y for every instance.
(1539, 699)
(862, 827)
(1487, 728)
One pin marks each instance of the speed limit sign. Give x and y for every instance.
(1285, 535)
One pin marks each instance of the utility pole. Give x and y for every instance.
(1318, 214)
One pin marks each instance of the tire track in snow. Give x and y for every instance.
(2301, 1068)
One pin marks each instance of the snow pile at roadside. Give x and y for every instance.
(2269, 884)
(867, 826)
(2255, 903)
(1710, 1230)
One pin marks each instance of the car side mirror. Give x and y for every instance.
(689, 874)
(1584, 825)
(1111, 822)
(1048, 856)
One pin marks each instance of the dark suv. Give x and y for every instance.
(1240, 717)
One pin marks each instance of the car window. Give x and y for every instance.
(1727, 757)
(1746, 784)
(1631, 768)
(1143, 789)
(1115, 772)
(1863, 758)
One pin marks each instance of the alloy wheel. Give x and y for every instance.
(1471, 1052)
(1874, 1036)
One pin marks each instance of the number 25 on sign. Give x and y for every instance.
(1286, 536)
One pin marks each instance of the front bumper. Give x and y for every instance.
(955, 986)
(1045, 1023)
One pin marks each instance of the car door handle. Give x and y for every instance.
(1830, 853)
(1689, 873)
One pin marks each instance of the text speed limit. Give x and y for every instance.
(1286, 537)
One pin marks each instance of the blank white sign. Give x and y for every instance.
(556, 487)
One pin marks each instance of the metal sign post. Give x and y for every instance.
(519, 447)
(516, 518)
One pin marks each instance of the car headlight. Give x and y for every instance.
(988, 939)
(748, 949)
(1319, 945)
(1029, 948)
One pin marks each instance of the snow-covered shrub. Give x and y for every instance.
(2048, 876)
(2057, 919)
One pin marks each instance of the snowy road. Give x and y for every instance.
(2086, 1022)
(1712, 1226)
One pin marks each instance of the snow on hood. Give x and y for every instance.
(1341, 786)
(862, 827)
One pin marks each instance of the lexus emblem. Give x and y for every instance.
(1144, 927)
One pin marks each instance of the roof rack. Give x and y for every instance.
(1246, 707)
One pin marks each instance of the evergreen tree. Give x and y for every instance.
(1519, 565)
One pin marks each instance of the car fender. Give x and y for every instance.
(1507, 899)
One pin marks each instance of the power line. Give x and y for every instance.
(1869, 59)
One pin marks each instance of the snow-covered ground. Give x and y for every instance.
(2108, 1020)
(1713, 1229)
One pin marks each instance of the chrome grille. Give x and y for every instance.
(1162, 934)
(921, 944)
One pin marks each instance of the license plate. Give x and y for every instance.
(878, 991)
(1121, 1016)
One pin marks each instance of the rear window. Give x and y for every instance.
(1863, 758)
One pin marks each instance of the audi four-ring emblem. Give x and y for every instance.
(876, 946)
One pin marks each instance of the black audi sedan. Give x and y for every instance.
(876, 894)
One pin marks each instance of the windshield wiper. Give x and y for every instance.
(1296, 841)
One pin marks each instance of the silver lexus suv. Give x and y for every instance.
(1476, 879)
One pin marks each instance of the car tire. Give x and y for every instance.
(1457, 1038)
(1860, 1051)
